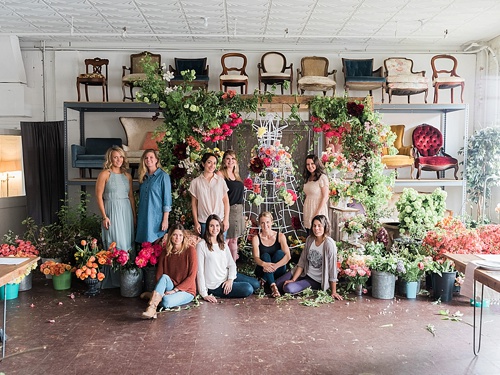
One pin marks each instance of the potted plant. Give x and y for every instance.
(354, 267)
(443, 277)
(89, 258)
(385, 265)
(413, 270)
(419, 213)
(60, 272)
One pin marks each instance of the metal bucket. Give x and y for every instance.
(383, 285)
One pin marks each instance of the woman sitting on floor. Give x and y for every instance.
(270, 253)
(176, 273)
(217, 275)
(317, 266)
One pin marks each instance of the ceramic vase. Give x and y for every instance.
(92, 289)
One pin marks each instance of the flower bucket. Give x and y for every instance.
(383, 285)
(62, 282)
(12, 291)
(149, 278)
(442, 286)
(26, 283)
(57, 260)
(131, 283)
(411, 289)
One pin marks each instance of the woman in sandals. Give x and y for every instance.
(217, 275)
(176, 273)
(270, 253)
(317, 266)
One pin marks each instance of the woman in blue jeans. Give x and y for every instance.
(270, 253)
(217, 275)
(317, 266)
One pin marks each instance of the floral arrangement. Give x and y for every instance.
(274, 157)
(382, 260)
(335, 162)
(354, 267)
(89, 258)
(338, 189)
(288, 196)
(296, 245)
(53, 268)
(148, 255)
(354, 225)
(190, 119)
(256, 199)
(419, 213)
(439, 265)
(330, 129)
(19, 248)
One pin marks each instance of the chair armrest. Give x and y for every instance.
(75, 151)
(421, 73)
(289, 67)
(124, 68)
(172, 70)
(207, 70)
(334, 72)
(377, 73)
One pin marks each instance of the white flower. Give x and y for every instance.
(168, 90)
(168, 76)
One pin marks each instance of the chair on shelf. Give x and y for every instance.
(234, 62)
(313, 75)
(198, 65)
(136, 72)
(91, 156)
(429, 152)
(402, 80)
(404, 157)
(359, 75)
(272, 71)
(94, 76)
(449, 81)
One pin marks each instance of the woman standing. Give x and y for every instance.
(316, 190)
(175, 274)
(209, 195)
(270, 253)
(115, 200)
(217, 275)
(155, 199)
(317, 266)
(230, 172)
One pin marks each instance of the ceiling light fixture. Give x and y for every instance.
(205, 21)
(445, 33)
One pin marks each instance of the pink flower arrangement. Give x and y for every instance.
(22, 249)
(149, 254)
(120, 256)
(355, 268)
(224, 131)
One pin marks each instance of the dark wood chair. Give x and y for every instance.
(94, 76)
(272, 70)
(135, 72)
(229, 64)
(449, 81)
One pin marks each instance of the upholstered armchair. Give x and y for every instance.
(313, 75)
(404, 157)
(446, 78)
(273, 71)
(198, 65)
(91, 156)
(134, 74)
(359, 75)
(234, 62)
(96, 74)
(402, 80)
(429, 152)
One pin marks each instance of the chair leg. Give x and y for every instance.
(382, 94)
(123, 92)
(412, 168)
(408, 99)
(90, 172)
(425, 96)
(78, 89)
(437, 173)
(131, 93)
(107, 95)
(418, 172)
(462, 94)
(436, 95)
(452, 95)
(456, 171)
(246, 88)
(103, 93)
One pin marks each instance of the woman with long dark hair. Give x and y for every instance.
(217, 275)
(175, 273)
(316, 190)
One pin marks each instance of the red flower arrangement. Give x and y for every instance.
(224, 131)
(355, 109)
(149, 254)
(248, 183)
(330, 130)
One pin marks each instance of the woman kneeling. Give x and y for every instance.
(176, 273)
(317, 266)
(217, 275)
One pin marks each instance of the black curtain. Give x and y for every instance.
(43, 158)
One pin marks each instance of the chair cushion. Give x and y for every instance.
(136, 129)
(398, 67)
(407, 78)
(151, 141)
(435, 160)
(397, 160)
(358, 68)
(275, 75)
(449, 79)
(365, 79)
(134, 77)
(233, 77)
(407, 85)
(316, 80)
(91, 75)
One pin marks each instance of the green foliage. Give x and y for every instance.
(379, 259)
(483, 160)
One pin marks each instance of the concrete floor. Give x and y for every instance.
(363, 335)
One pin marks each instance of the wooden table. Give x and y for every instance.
(489, 278)
(8, 273)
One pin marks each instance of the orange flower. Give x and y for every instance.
(46, 271)
(100, 276)
(78, 272)
(83, 242)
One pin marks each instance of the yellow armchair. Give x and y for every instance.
(404, 157)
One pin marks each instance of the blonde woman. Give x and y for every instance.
(115, 200)
(175, 274)
(270, 253)
(230, 171)
(155, 199)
